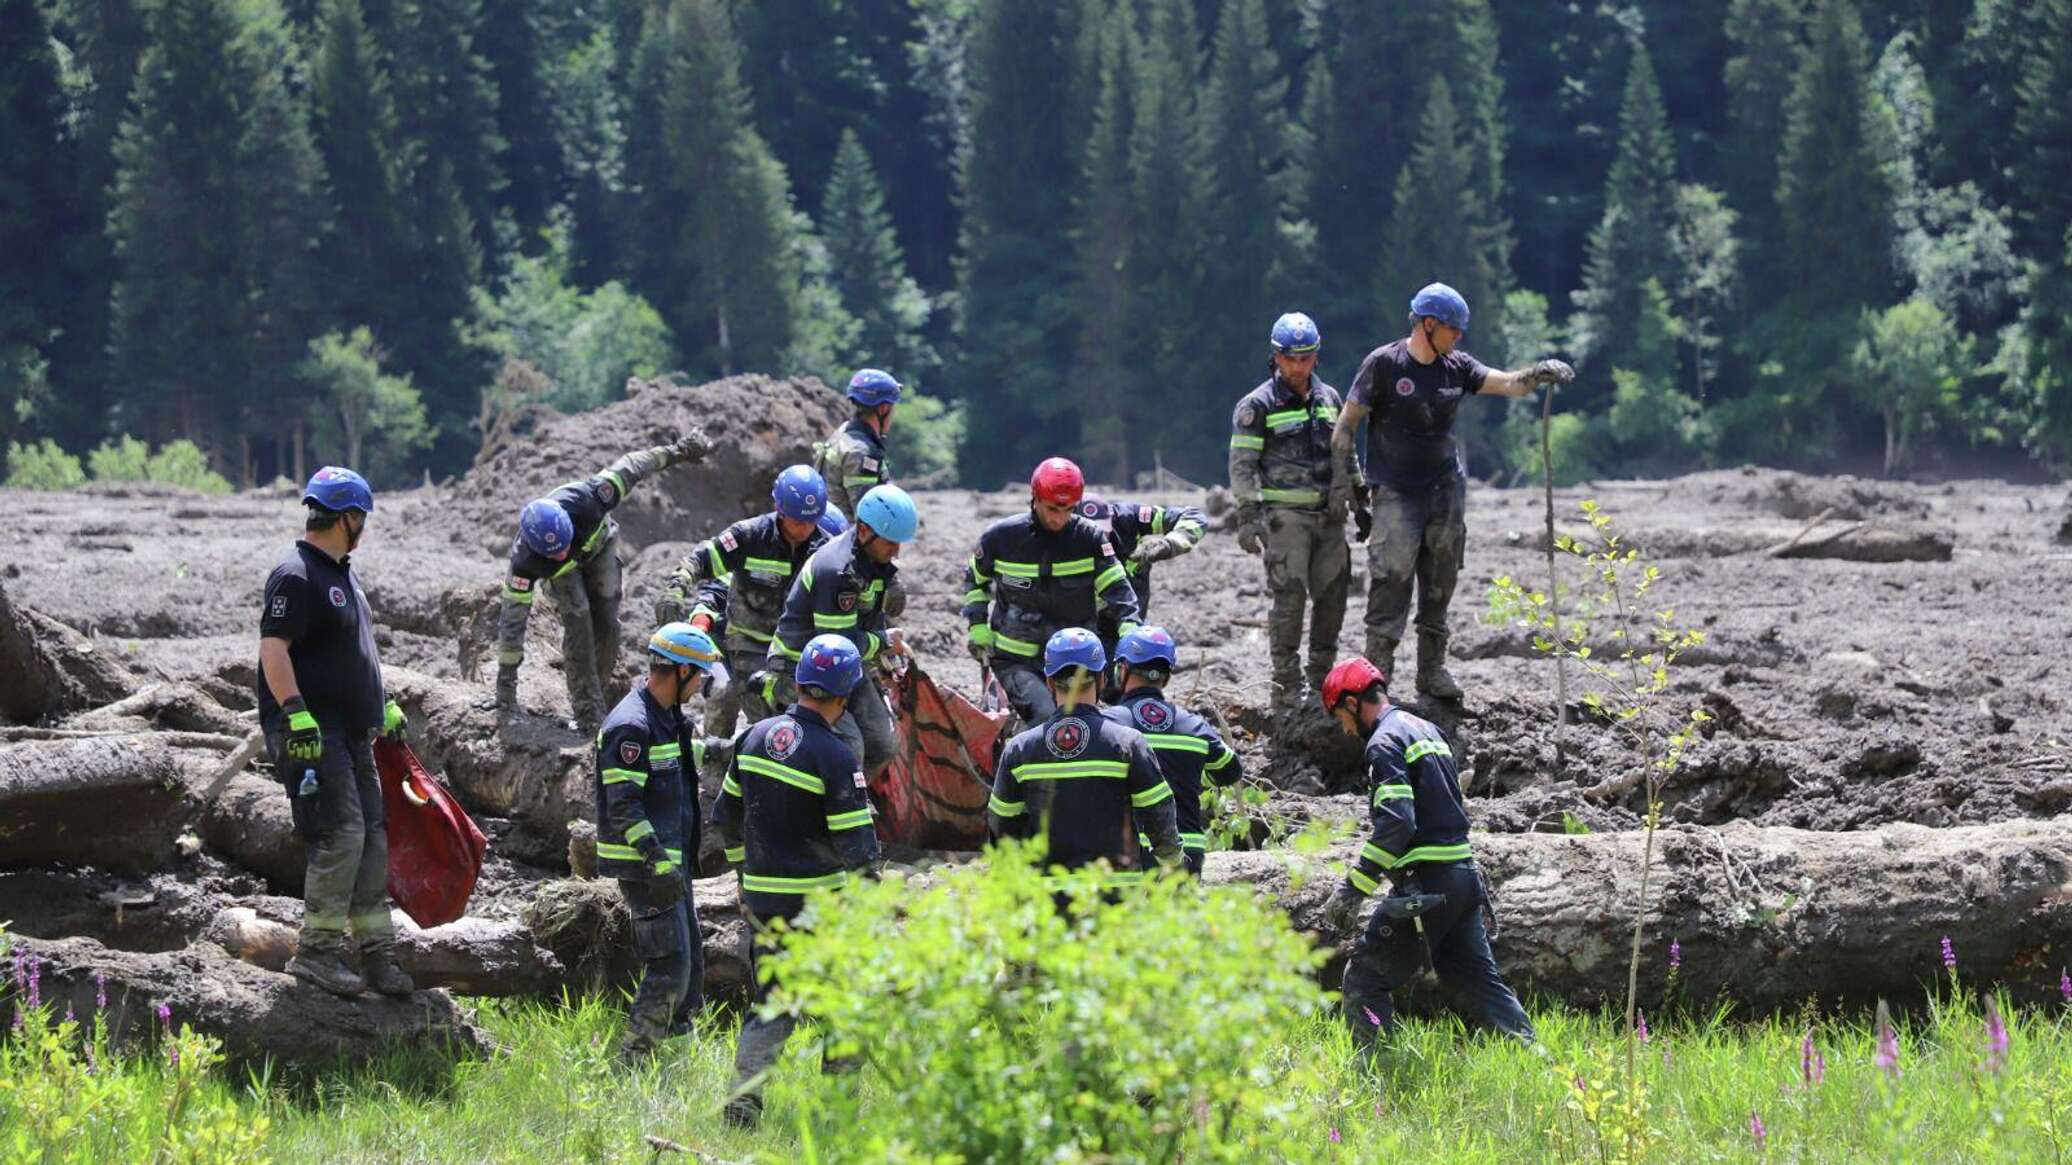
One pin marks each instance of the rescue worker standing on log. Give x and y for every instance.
(1186, 747)
(1141, 535)
(1282, 469)
(843, 589)
(1034, 574)
(1420, 845)
(569, 539)
(648, 828)
(1406, 394)
(320, 700)
(741, 577)
(1088, 785)
(852, 459)
(795, 816)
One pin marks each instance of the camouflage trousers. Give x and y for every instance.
(1308, 564)
(1419, 536)
(588, 601)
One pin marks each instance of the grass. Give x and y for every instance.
(1439, 1095)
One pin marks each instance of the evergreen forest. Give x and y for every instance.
(1828, 234)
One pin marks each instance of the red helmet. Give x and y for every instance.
(1349, 678)
(1058, 482)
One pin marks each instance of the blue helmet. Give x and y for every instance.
(1149, 645)
(339, 489)
(871, 387)
(1442, 303)
(800, 493)
(831, 522)
(1295, 334)
(544, 527)
(830, 663)
(1074, 647)
(889, 512)
(683, 643)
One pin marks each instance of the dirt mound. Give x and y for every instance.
(757, 425)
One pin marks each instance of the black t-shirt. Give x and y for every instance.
(1410, 426)
(315, 604)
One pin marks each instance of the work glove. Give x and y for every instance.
(305, 741)
(692, 446)
(392, 721)
(664, 877)
(1343, 910)
(506, 688)
(1363, 521)
(1251, 532)
(978, 640)
(1549, 372)
(1156, 548)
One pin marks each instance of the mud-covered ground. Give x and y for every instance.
(1844, 694)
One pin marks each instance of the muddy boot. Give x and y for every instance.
(744, 1111)
(1432, 677)
(1287, 685)
(382, 973)
(325, 967)
(1382, 654)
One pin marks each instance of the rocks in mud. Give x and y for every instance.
(258, 1014)
(50, 668)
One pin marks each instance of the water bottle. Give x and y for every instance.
(308, 788)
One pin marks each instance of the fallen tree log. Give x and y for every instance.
(251, 823)
(113, 801)
(50, 668)
(472, 956)
(583, 921)
(180, 707)
(1766, 918)
(1872, 542)
(258, 1014)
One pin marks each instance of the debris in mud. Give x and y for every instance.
(51, 668)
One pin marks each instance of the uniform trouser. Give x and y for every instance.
(1419, 536)
(1307, 561)
(672, 958)
(345, 836)
(588, 599)
(1390, 954)
(866, 723)
(1027, 693)
(762, 1038)
(741, 696)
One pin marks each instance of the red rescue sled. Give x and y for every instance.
(435, 850)
(933, 794)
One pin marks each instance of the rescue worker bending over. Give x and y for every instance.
(1087, 785)
(1281, 469)
(1035, 574)
(321, 698)
(1141, 535)
(733, 586)
(843, 589)
(648, 829)
(794, 815)
(569, 539)
(852, 458)
(1420, 845)
(1186, 747)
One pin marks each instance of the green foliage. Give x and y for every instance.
(1707, 260)
(926, 435)
(1578, 445)
(180, 463)
(370, 420)
(124, 459)
(42, 466)
(1634, 243)
(868, 269)
(1002, 1027)
(1444, 227)
(1907, 367)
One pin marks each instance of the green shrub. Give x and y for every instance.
(42, 466)
(1581, 446)
(925, 435)
(182, 463)
(1157, 1027)
(123, 459)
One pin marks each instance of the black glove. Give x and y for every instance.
(1363, 522)
(692, 446)
(664, 876)
(305, 740)
(1343, 910)
(1251, 531)
(1156, 548)
(1550, 372)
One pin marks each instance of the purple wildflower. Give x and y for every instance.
(1667, 1059)
(35, 981)
(1996, 1037)
(1371, 1017)
(69, 1017)
(1335, 1138)
(20, 971)
(100, 990)
(1640, 1026)
(165, 1016)
(2065, 986)
(1757, 1131)
(1888, 1044)
(1675, 956)
(1812, 1065)
(172, 1054)
(1949, 953)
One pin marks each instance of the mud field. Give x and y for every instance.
(1877, 655)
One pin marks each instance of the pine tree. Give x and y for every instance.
(514, 40)
(36, 162)
(869, 269)
(1103, 242)
(2043, 135)
(1835, 198)
(216, 218)
(1767, 35)
(1634, 241)
(1433, 234)
(446, 102)
(356, 129)
(1016, 281)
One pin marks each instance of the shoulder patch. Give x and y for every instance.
(278, 608)
(845, 600)
(870, 465)
(784, 739)
(857, 777)
(1249, 415)
(1068, 737)
(607, 491)
(1144, 514)
(1153, 715)
(629, 751)
(520, 583)
(727, 539)
(1106, 548)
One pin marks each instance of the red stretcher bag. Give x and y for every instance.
(434, 849)
(933, 794)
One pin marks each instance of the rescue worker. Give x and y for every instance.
(1141, 535)
(1036, 573)
(852, 459)
(320, 701)
(843, 589)
(1433, 918)
(1186, 747)
(1406, 394)
(569, 539)
(733, 586)
(648, 830)
(795, 817)
(1282, 470)
(1087, 785)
